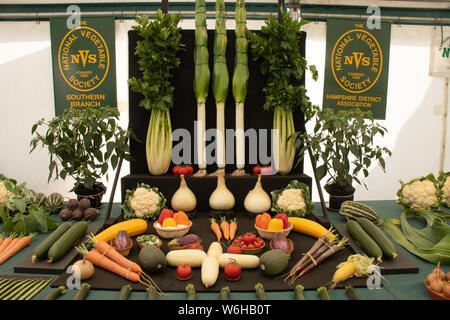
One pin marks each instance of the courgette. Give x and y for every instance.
(56, 293)
(378, 236)
(67, 241)
(151, 293)
(224, 293)
(260, 292)
(323, 293)
(191, 292)
(41, 250)
(82, 292)
(125, 292)
(364, 240)
(298, 292)
(352, 293)
(353, 210)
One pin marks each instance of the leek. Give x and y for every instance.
(239, 84)
(157, 53)
(220, 83)
(277, 47)
(201, 81)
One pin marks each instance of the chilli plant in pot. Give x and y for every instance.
(83, 145)
(343, 146)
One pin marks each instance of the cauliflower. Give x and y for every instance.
(4, 194)
(419, 193)
(291, 199)
(294, 200)
(444, 184)
(144, 202)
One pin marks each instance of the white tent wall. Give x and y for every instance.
(413, 118)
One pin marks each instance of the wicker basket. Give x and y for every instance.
(268, 234)
(167, 233)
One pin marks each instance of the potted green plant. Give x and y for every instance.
(84, 145)
(343, 146)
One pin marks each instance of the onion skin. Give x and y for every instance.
(86, 269)
(257, 200)
(446, 290)
(436, 285)
(183, 199)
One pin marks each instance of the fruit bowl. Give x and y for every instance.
(170, 233)
(269, 234)
(243, 243)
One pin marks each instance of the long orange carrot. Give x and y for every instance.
(18, 245)
(233, 229)
(109, 251)
(6, 242)
(216, 229)
(2, 237)
(225, 227)
(104, 262)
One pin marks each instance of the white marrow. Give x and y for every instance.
(215, 250)
(246, 261)
(210, 271)
(192, 257)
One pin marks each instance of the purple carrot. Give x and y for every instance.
(319, 243)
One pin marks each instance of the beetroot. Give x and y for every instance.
(280, 242)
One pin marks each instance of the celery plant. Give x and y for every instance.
(157, 53)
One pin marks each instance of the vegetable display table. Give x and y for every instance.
(399, 286)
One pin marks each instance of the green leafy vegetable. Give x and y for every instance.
(431, 243)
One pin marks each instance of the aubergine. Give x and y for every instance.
(184, 240)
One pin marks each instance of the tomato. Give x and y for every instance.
(246, 238)
(250, 246)
(244, 246)
(252, 237)
(256, 170)
(185, 170)
(197, 246)
(234, 249)
(257, 244)
(232, 271)
(184, 272)
(176, 169)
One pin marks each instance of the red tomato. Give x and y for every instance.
(256, 170)
(257, 244)
(250, 246)
(196, 246)
(234, 249)
(246, 239)
(184, 272)
(185, 170)
(252, 237)
(244, 246)
(176, 169)
(232, 271)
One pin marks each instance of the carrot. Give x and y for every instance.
(104, 262)
(216, 229)
(109, 251)
(225, 227)
(6, 242)
(16, 247)
(233, 228)
(2, 236)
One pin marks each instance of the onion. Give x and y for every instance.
(430, 278)
(446, 290)
(436, 285)
(183, 199)
(257, 200)
(221, 198)
(85, 267)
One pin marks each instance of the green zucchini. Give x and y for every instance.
(82, 292)
(353, 210)
(224, 293)
(191, 292)
(378, 236)
(41, 250)
(67, 241)
(151, 293)
(323, 293)
(352, 293)
(125, 292)
(56, 293)
(364, 240)
(298, 292)
(260, 292)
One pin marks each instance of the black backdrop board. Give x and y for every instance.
(184, 114)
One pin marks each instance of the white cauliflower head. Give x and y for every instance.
(420, 194)
(446, 191)
(291, 200)
(4, 194)
(144, 202)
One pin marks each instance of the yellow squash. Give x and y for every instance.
(309, 227)
(133, 227)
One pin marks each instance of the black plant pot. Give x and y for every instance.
(338, 195)
(94, 195)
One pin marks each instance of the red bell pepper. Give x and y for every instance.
(284, 217)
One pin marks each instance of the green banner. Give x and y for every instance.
(84, 70)
(356, 67)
